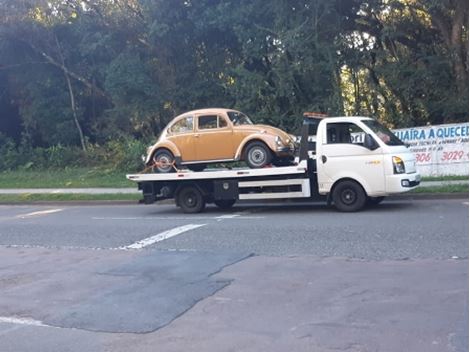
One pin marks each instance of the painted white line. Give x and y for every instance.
(228, 216)
(465, 203)
(38, 213)
(162, 236)
(181, 218)
(22, 321)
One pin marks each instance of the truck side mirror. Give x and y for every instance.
(370, 143)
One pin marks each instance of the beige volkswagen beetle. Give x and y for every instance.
(197, 138)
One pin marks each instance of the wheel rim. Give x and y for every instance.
(164, 162)
(348, 196)
(191, 200)
(257, 156)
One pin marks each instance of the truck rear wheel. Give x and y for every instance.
(191, 200)
(349, 196)
(224, 203)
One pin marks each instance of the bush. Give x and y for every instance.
(123, 154)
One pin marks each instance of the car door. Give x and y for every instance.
(181, 133)
(214, 138)
(343, 155)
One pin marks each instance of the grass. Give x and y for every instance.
(442, 189)
(41, 197)
(444, 178)
(65, 178)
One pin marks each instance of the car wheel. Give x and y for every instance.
(348, 196)
(224, 203)
(163, 161)
(374, 200)
(257, 155)
(191, 200)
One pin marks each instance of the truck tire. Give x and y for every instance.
(224, 203)
(349, 196)
(163, 161)
(191, 200)
(257, 155)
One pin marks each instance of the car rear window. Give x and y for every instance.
(183, 125)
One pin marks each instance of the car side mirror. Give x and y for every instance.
(370, 143)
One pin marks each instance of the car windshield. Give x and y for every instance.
(239, 118)
(383, 132)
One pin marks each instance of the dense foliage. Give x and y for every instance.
(80, 75)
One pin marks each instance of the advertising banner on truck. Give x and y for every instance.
(440, 150)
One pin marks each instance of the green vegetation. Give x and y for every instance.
(83, 81)
(66, 178)
(445, 178)
(23, 198)
(442, 189)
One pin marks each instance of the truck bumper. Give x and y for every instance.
(402, 182)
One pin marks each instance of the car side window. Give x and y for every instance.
(207, 122)
(344, 132)
(183, 125)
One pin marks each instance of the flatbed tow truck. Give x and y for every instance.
(347, 161)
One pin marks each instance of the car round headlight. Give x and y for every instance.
(278, 141)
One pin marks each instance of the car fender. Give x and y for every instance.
(261, 137)
(166, 145)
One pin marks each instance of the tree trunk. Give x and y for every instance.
(72, 95)
(74, 111)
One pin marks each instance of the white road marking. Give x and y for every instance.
(162, 236)
(465, 203)
(38, 213)
(180, 218)
(22, 321)
(228, 216)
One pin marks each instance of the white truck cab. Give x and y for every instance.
(361, 149)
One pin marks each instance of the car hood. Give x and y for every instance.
(264, 129)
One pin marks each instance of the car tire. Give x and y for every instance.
(225, 203)
(163, 160)
(349, 196)
(190, 200)
(257, 155)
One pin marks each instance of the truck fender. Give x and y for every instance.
(355, 178)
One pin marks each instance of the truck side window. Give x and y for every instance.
(344, 132)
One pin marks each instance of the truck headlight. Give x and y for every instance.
(398, 165)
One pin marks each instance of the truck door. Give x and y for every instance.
(342, 154)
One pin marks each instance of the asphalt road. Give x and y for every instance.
(277, 277)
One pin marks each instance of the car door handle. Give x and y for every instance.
(196, 136)
(324, 159)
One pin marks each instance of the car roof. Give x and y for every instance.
(206, 111)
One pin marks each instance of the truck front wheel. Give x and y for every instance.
(349, 196)
(191, 200)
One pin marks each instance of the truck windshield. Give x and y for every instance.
(383, 132)
(239, 118)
